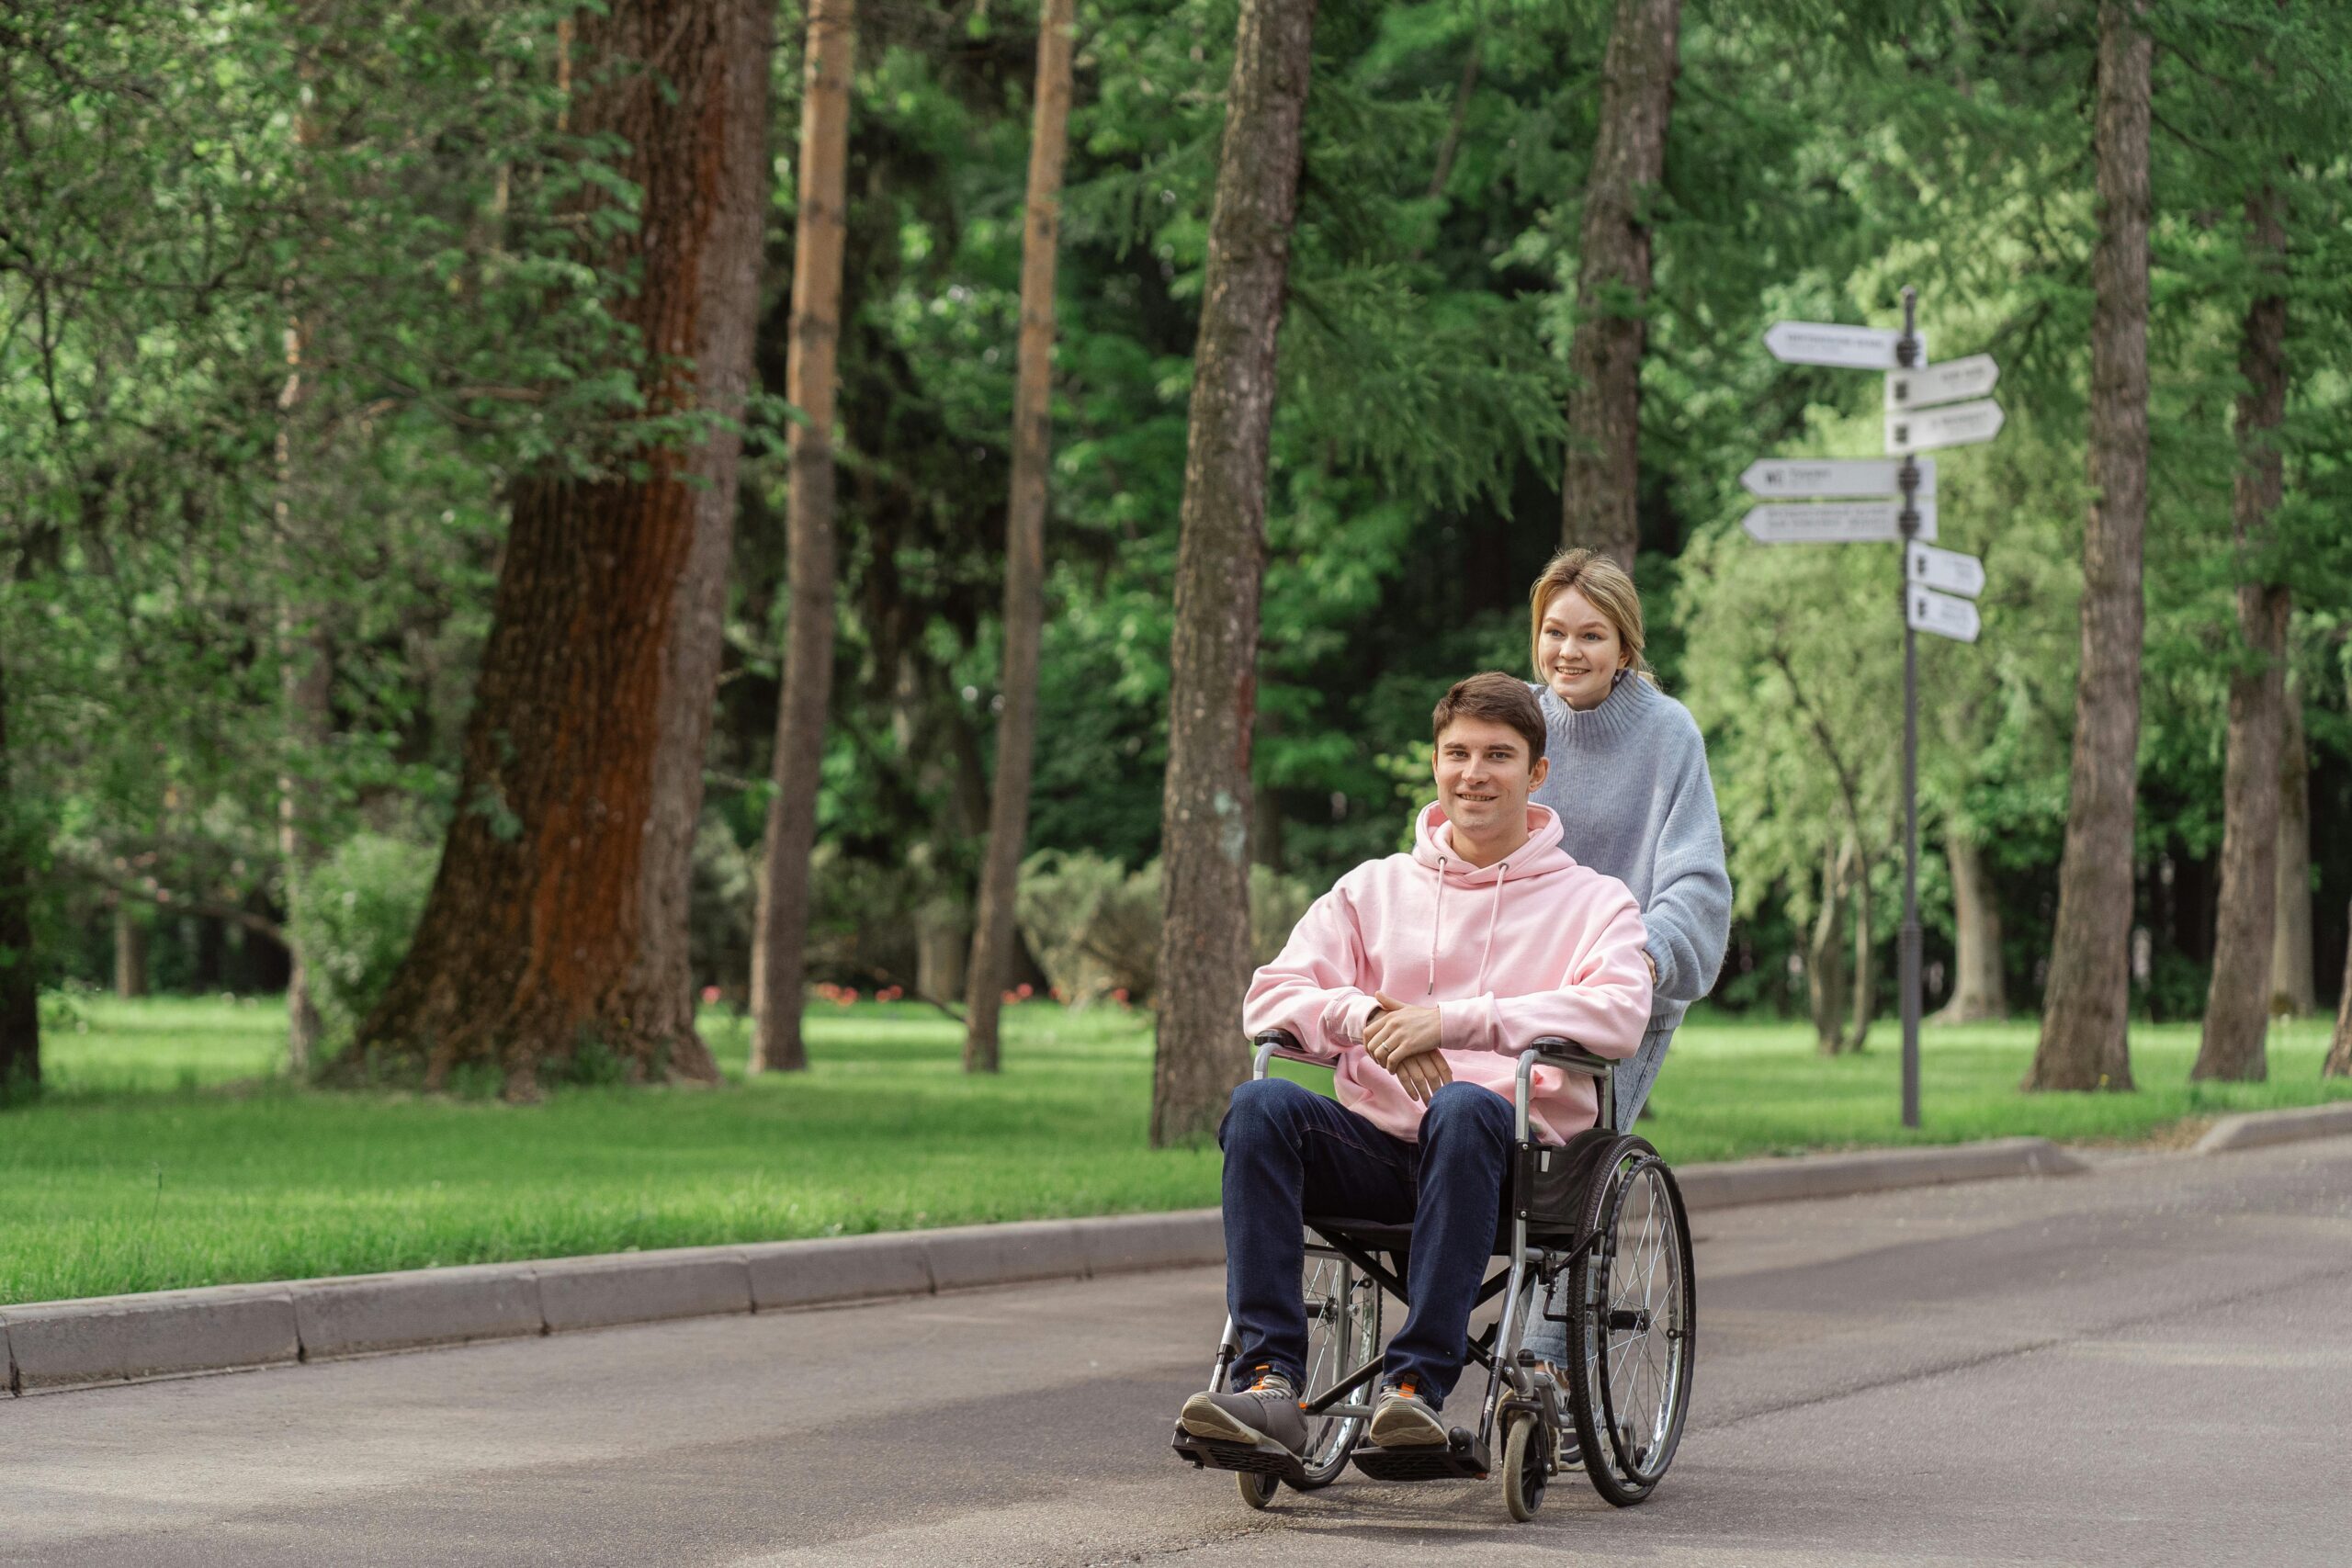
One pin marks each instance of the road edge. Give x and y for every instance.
(56, 1346)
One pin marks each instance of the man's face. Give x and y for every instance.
(1485, 775)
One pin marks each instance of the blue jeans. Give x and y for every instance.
(1289, 1152)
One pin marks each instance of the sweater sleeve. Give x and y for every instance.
(1601, 1003)
(1311, 989)
(1689, 917)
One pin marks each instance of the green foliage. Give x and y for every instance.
(358, 910)
(1093, 926)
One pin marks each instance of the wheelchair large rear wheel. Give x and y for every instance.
(1342, 1333)
(1637, 1318)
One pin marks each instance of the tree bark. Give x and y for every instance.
(19, 970)
(1599, 485)
(2084, 1044)
(2339, 1064)
(2294, 988)
(2238, 1001)
(1025, 548)
(1980, 992)
(131, 954)
(1213, 683)
(535, 943)
(779, 948)
(1858, 1028)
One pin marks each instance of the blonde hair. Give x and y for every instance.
(1607, 587)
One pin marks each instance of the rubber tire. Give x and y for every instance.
(1600, 1451)
(1257, 1490)
(1524, 1473)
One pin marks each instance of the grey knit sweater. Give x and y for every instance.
(1629, 779)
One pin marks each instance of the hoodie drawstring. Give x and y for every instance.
(1437, 926)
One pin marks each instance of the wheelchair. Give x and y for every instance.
(1601, 1209)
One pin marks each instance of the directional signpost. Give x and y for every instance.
(1847, 501)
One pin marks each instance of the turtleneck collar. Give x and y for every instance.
(1619, 714)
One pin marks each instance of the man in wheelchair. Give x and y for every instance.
(1420, 976)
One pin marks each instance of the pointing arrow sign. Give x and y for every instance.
(1928, 385)
(1836, 523)
(1962, 425)
(1799, 479)
(1846, 348)
(1927, 611)
(1947, 569)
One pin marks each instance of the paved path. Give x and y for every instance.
(2151, 1364)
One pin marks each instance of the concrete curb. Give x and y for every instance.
(1870, 1171)
(2255, 1129)
(55, 1345)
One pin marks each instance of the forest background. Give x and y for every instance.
(304, 306)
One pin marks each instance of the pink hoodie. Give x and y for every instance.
(1535, 945)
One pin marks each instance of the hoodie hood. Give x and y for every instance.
(1540, 856)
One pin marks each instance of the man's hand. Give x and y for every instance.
(1424, 1075)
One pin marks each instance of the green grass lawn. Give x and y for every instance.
(167, 1153)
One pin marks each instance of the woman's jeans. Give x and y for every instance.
(1289, 1152)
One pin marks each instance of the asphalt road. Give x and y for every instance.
(2150, 1364)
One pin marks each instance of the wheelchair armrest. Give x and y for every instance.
(1272, 1043)
(1551, 1051)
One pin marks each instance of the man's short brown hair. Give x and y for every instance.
(1504, 699)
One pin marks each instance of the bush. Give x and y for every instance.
(352, 926)
(1094, 925)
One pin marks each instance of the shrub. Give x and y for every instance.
(1094, 925)
(352, 926)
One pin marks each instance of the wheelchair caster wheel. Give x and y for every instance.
(1524, 1471)
(1257, 1490)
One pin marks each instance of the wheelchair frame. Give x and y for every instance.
(1544, 1178)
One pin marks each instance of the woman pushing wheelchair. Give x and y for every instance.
(1423, 977)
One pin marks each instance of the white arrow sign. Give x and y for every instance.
(1929, 385)
(1836, 523)
(1929, 611)
(1961, 424)
(1846, 348)
(1799, 478)
(1947, 570)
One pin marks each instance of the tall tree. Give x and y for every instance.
(1024, 546)
(535, 940)
(2294, 988)
(2238, 1001)
(2338, 1061)
(1203, 966)
(19, 970)
(780, 942)
(1599, 485)
(2084, 1044)
(1979, 994)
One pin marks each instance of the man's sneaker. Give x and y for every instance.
(1401, 1418)
(1268, 1408)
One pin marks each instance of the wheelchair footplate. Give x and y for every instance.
(1459, 1457)
(1268, 1457)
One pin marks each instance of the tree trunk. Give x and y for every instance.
(1598, 488)
(2339, 1064)
(19, 970)
(1858, 1029)
(1825, 958)
(2293, 989)
(535, 942)
(129, 954)
(1025, 548)
(2084, 1044)
(2238, 1001)
(1212, 680)
(1980, 993)
(780, 946)
(943, 943)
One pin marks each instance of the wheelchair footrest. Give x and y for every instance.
(1257, 1459)
(1461, 1458)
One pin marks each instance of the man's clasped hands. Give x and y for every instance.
(1404, 1040)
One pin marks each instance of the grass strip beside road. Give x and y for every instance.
(168, 1153)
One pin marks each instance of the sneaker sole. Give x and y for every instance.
(1204, 1418)
(1395, 1429)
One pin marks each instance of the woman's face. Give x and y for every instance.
(1577, 651)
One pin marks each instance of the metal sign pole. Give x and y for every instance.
(1906, 351)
